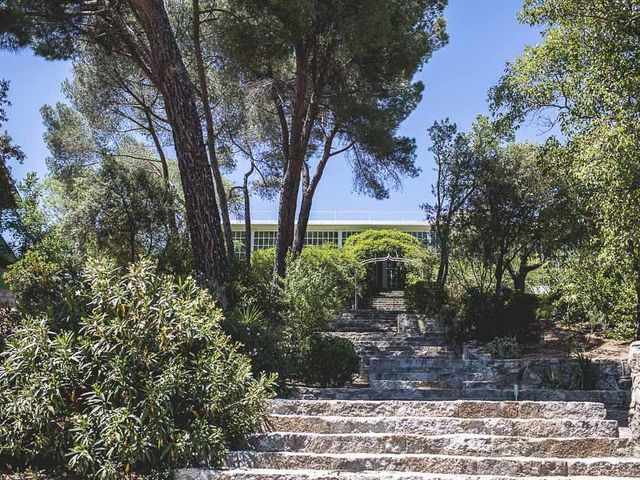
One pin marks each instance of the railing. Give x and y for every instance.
(346, 215)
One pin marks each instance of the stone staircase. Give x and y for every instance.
(389, 301)
(419, 412)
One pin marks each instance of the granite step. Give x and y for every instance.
(306, 474)
(391, 338)
(428, 463)
(475, 445)
(444, 425)
(608, 397)
(459, 408)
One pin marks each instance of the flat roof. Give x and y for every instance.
(344, 223)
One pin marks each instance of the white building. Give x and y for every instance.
(332, 227)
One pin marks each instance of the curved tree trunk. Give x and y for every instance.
(171, 78)
(208, 115)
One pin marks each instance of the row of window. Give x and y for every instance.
(267, 239)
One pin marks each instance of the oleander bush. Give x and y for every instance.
(145, 380)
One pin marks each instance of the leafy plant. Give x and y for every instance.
(553, 379)
(328, 361)
(503, 347)
(146, 380)
(583, 378)
(424, 296)
(318, 285)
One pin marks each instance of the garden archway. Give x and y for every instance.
(388, 259)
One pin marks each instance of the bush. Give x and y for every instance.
(147, 381)
(317, 287)
(380, 243)
(261, 339)
(328, 361)
(425, 297)
(484, 316)
(46, 279)
(277, 324)
(595, 289)
(503, 347)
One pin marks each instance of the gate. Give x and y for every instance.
(392, 274)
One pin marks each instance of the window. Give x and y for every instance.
(239, 244)
(346, 235)
(318, 238)
(264, 239)
(424, 237)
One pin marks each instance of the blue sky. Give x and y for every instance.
(484, 34)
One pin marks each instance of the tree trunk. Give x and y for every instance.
(247, 216)
(291, 181)
(499, 275)
(208, 115)
(310, 186)
(442, 231)
(171, 215)
(173, 82)
(443, 267)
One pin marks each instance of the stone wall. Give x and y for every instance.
(634, 407)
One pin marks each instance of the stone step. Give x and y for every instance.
(391, 338)
(427, 463)
(271, 474)
(405, 379)
(475, 445)
(444, 425)
(611, 398)
(459, 408)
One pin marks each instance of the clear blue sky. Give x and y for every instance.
(484, 34)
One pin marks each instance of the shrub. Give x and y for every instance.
(261, 339)
(484, 316)
(595, 289)
(328, 361)
(380, 243)
(425, 297)
(503, 347)
(147, 380)
(46, 278)
(318, 285)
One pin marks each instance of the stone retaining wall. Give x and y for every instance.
(634, 407)
(561, 373)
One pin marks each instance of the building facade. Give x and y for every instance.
(334, 231)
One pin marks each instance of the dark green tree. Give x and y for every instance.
(585, 78)
(456, 167)
(334, 77)
(142, 31)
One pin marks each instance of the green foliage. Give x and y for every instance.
(503, 347)
(318, 286)
(584, 378)
(261, 338)
(583, 79)
(46, 279)
(483, 316)
(380, 243)
(328, 361)
(28, 222)
(145, 381)
(274, 321)
(425, 297)
(593, 288)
